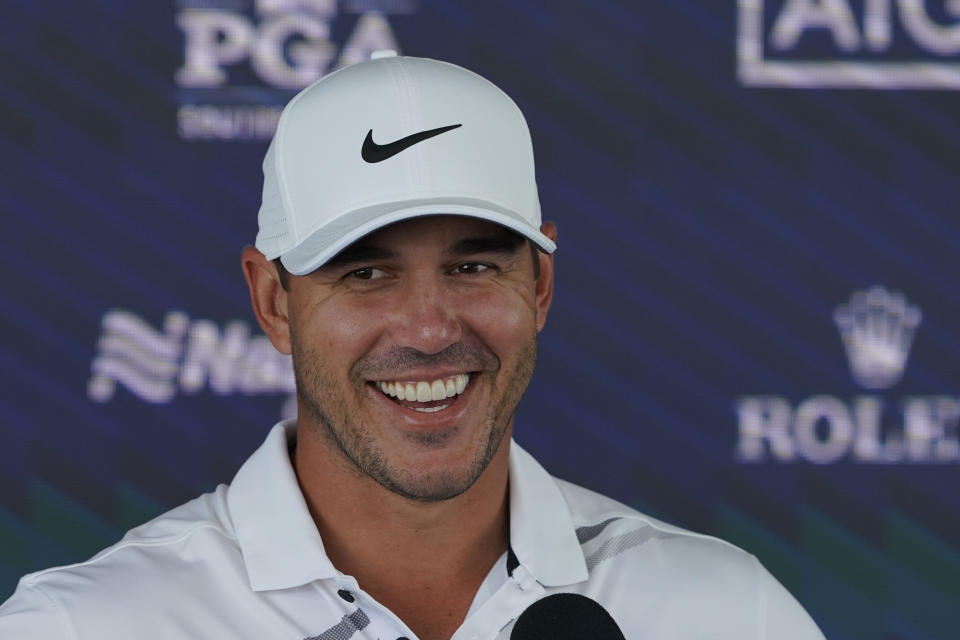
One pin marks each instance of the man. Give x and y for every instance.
(401, 260)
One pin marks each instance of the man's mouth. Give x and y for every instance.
(426, 396)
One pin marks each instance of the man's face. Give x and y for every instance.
(413, 347)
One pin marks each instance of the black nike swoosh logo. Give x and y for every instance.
(373, 152)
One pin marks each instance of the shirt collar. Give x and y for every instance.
(277, 535)
(542, 534)
(282, 548)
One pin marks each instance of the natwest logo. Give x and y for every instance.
(186, 356)
(874, 44)
(877, 328)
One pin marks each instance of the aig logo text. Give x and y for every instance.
(873, 44)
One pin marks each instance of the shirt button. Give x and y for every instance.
(346, 595)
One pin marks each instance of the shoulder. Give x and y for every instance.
(654, 575)
(151, 563)
(201, 522)
(609, 530)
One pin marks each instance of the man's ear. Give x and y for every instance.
(268, 297)
(544, 284)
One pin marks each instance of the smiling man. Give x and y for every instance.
(401, 260)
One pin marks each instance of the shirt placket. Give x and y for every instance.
(502, 608)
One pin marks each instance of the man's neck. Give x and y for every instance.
(403, 551)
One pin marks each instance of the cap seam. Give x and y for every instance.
(518, 115)
(410, 94)
(278, 167)
(400, 76)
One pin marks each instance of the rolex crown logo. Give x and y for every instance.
(877, 328)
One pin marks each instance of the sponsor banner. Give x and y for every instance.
(243, 60)
(876, 328)
(185, 357)
(863, 44)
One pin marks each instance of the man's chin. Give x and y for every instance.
(436, 465)
(430, 487)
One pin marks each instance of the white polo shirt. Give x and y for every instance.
(246, 561)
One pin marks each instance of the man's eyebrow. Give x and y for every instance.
(505, 243)
(359, 253)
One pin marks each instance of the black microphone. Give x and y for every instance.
(566, 616)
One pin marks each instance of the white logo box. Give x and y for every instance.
(873, 34)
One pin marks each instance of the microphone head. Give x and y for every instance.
(566, 616)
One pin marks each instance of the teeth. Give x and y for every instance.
(424, 391)
(431, 409)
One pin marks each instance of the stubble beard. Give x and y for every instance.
(333, 417)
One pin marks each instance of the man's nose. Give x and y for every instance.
(425, 317)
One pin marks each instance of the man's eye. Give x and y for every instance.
(471, 267)
(367, 273)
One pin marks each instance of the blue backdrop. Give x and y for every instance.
(753, 332)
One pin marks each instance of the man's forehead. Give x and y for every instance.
(446, 233)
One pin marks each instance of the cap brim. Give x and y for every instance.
(341, 232)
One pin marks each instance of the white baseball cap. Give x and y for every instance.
(389, 139)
